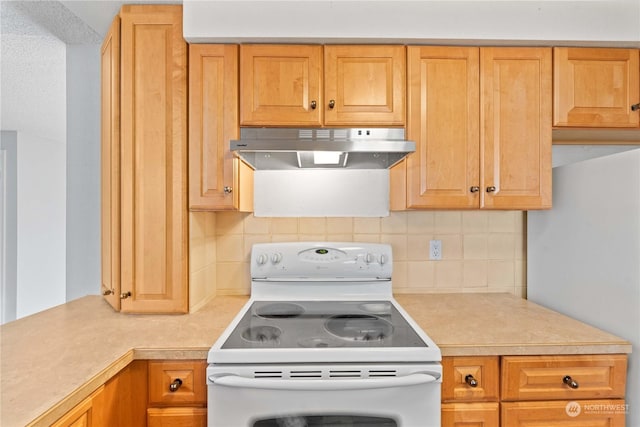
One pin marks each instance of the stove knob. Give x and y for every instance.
(369, 258)
(382, 259)
(276, 258)
(262, 259)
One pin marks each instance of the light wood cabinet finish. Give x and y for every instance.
(83, 414)
(301, 85)
(443, 120)
(366, 85)
(193, 388)
(596, 87)
(154, 221)
(279, 85)
(177, 417)
(541, 377)
(556, 414)
(481, 119)
(217, 179)
(516, 128)
(110, 165)
(471, 414)
(484, 370)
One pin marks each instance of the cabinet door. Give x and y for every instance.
(281, 85)
(471, 414)
(595, 87)
(154, 160)
(516, 128)
(214, 173)
(83, 414)
(364, 85)
(562, 413)
(110, 165)
(443, 106)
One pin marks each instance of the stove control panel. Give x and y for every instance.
(321, 260)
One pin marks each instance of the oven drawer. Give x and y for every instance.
(563, 377)
(175, 383)
(467, 379)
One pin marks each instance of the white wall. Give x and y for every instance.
(83, 171)
(41, 223)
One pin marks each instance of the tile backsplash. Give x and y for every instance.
(482, 251)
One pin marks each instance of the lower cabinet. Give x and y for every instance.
(177, 393)
(550, 391)
(84, 413)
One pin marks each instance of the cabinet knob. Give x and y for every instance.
(471, 381)
(332, 103)
(107, 292)
(125, 295)
(175, 385)
(474, 189)
(491, 189)
(314, 104)
(570, 382)
(635, 107)
(227, 189)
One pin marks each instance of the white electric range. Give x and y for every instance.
(322, 342)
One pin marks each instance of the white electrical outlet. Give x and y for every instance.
(435, 250)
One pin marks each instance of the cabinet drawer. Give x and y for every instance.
(188, 378)
(470, 414)
(176, 417)
(560, 413)
(469, 379)
(563, 377)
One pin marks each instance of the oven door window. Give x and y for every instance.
(326, 421)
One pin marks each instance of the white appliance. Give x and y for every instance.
(322, 342)
(583, 256)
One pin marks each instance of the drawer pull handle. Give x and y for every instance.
(570, 382)
(471, 381)
(474, 189)
(175, 385)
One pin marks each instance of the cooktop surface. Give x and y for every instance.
(322, 324)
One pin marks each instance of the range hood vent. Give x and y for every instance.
(289, 148)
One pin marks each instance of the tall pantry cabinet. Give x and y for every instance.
(144, 161)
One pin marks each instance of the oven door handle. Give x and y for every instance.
(322, 384)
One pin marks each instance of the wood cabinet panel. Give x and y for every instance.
(110, 165)
(596, 87)
(562, 413)
(83, 414)
(366, 85)
(216, 176)
(177, 417)
(279, 85)
(542, 377)
(460, 372)
(192, 388)
(443, 115)
(154, 160)
(516, 128)
(470, 414)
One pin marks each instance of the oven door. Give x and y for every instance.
(407, 400)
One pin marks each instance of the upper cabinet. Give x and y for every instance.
(217, 179)
(282, 85)
(596, 87)
(144, 169)
(481, 119)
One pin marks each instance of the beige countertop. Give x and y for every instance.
(53, 360)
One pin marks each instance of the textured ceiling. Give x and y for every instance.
(45, 18)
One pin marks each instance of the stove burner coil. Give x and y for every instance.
(359, 327)
(279, 310)
(262, 334)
